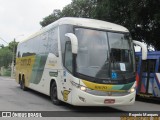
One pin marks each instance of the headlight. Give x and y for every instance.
(132, 90)
(83, 88)
(79, 86)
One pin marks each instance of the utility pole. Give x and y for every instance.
(13, 57)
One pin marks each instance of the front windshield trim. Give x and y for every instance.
(107, 80)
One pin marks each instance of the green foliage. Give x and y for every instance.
(51, 18)
(77, 8)
(141, 17)
(13, 45)
(6, 54)
(5, 57)
(2, 46)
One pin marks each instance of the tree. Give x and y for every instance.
(51, 18)
(8, 53)
(2, 46)
(148, 17)
(5, 57)
(141, 17)
(13, 46)
(77, 8)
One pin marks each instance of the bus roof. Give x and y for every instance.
(92, 23)
(83, 22)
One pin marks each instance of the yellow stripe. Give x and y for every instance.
(100, 87)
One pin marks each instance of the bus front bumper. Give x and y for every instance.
(81, 98)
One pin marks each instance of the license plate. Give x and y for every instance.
(109, 101)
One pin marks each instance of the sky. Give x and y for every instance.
(20, 18)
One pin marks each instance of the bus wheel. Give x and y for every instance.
(23, 87)
(20, 81)
(53, 94)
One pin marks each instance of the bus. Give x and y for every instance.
(79, 61)
(148, 75)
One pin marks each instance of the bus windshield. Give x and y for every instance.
(100, 53)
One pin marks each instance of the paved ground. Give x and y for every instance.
(12, 98)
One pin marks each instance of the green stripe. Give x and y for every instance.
(117, 87)
(127, 86)
(38, 68)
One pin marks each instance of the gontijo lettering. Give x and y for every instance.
(26, 62)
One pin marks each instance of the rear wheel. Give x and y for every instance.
(53, 94)
(22, 84)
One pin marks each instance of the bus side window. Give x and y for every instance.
(145, 66)
(152, 65)
(53, 42)
(149, 65)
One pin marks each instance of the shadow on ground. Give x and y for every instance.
(148, 100)
(75, 108)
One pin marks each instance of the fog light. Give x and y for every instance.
(83, 88)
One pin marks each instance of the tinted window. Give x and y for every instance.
(92, 57)
(52, 45)
(149, 65)
(42, 44)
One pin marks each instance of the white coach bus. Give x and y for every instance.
(80, 61)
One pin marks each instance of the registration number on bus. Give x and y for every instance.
(109, 101)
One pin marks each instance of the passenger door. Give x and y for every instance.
(66, 73)
(147, 76)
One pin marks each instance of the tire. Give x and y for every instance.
(22, 84)
(53, 94)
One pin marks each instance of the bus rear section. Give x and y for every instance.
(148, 75)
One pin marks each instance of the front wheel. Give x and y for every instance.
(53, 94)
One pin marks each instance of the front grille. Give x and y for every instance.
(103, 93)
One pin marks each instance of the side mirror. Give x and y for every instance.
(144, 49)
(74, 42)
